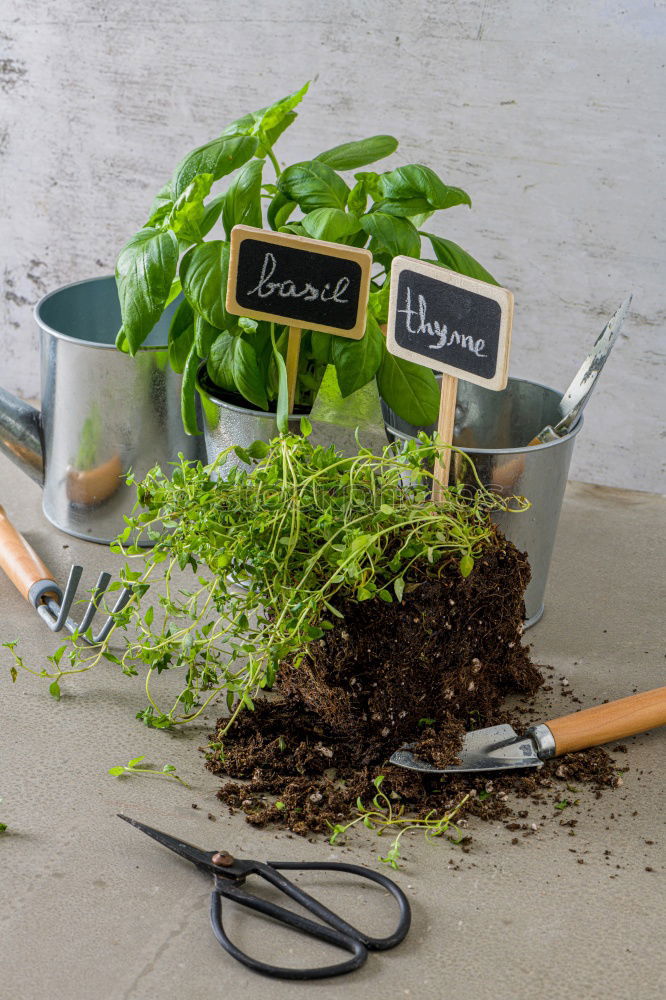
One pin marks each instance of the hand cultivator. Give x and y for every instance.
(34, 581)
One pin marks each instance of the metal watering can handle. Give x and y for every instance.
(21, 563)
(21, 435)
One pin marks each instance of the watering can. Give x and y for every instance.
(102, 412)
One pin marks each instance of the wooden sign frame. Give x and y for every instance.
(502, 296)
(360, 256)
(450, 373)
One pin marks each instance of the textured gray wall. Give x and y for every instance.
(549, 112)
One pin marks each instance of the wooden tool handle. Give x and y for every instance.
(614, 721)
(19, 561)
(447, 416)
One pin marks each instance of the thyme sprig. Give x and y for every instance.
(274, 548)
(383, 815)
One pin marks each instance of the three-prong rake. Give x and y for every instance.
(34, 581)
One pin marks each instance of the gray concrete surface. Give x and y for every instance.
(92, 909)
(549, 114)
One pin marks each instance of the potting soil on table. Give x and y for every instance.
(424, 671)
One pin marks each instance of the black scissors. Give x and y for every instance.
(230, 873)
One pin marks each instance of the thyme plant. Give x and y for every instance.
(273, 549)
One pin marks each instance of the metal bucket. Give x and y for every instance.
(493, 428)
(227, 422)
(102, 412)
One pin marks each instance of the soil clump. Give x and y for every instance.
(422, 671)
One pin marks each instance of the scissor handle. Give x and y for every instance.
(338, 932)
(372, 943)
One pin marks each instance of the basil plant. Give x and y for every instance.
(184, 248)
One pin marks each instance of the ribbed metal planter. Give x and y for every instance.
(493, 428)
(228, 422)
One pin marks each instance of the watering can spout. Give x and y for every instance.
(21, 435)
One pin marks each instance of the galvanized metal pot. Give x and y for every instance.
(227, 422)
(102, 412)
(493, 428)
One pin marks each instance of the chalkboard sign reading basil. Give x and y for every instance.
(451, 323)
(456, 325)
(298, 282)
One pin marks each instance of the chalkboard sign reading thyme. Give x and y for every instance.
(456, 325)
(451, 323)
(298, 281)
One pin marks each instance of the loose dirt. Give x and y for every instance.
(426, 670)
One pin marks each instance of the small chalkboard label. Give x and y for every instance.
(298, 281)
(451, 323)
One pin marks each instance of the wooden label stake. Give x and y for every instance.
(447, 416)
(293, 353)
(452, 324)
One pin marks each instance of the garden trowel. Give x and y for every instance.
(575, 399)
(500, 748)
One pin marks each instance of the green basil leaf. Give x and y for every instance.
(161, 206)
(212, 213)
(188, 211)
(274, 115)
(242, 205)
(159, 217)
(357, 361)
(369, 180)
(181, 336)
(292, 227)
(313, 185)
(358, 199)
(220, 363)
(175, 290)
(455, 258)
(320, 344)
(411, 390)
(391, 234)
(330, 224)
(270, 122)
(233, 364)
(279, 210)
(417, 181)
(219, 157)
(203, 273)
(248, 376)
(351, 155)
(204, 336)
(187, 397)
(248, 325)
(268, 139)
(405, 208)
(145, 268)
(378, 303)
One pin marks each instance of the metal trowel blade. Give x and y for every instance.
(497, 748)
(574, 400)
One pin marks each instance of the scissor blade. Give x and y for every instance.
(202, 859)
(575, 398)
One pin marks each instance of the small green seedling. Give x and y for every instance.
(131, 767)
(384, 816)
